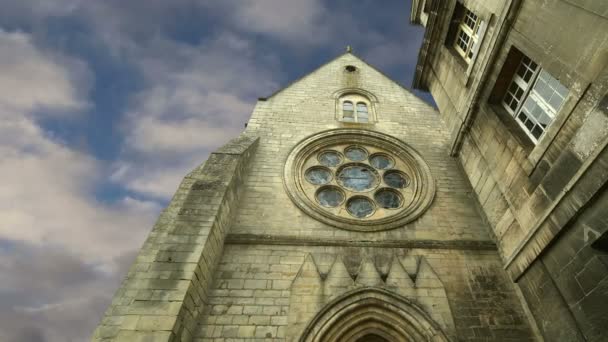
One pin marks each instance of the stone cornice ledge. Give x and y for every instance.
(262, 239)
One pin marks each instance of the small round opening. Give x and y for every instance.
(350, 68)
(330, 196)
(360, 207)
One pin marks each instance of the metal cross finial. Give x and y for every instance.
(349, 48)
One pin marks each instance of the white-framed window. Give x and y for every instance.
(468, 35)
(533, 98)
(355, 108)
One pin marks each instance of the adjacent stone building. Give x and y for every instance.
(522, 87)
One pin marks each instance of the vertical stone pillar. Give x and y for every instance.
(166, 288)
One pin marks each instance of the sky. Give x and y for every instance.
(106, 105)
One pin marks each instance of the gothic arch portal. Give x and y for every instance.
(372, 314)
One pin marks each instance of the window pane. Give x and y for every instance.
(330, 158)
(470, 19)
(360, 207)
(522, 117)
(513, 96)
(556, 102)
(362, 115)
(388, 199)
(381, 161)
(318, 175)
(537, 131)
(526, 69)
(330, 196)
(463, 41)
(534, 116)
(357, 178)
(550, 90)
(355, 153)
(361, 107)
(396, 179)
(348, 111)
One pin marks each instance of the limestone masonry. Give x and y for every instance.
(351, 210)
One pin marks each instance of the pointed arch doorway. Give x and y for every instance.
(372, 315)
(372, 338)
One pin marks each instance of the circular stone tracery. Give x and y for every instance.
(358, 180)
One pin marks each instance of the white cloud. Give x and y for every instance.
(57, 242)
(31, 79)
(298, 22)
(46, 196)
(194, 102)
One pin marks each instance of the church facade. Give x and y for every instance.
(522, 87)
(337, 215)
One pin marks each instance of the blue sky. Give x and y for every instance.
(106, 105)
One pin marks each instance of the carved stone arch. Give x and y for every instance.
(344, 91)
(372, 311)
(356, 95)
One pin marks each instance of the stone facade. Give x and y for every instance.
(543, 197)
(233, 258)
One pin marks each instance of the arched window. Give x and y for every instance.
(348, 113)
(362, 114)
(355, 108)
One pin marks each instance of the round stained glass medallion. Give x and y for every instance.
(330, 158)
(355, 153)
(330, 196)
(388, 199)
(381, 161)
(357, 177)
(318, 175)
(360, 207)
(396, 179)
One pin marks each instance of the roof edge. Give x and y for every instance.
(348, 52)
(423, 54)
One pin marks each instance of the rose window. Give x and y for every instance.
(358, 180)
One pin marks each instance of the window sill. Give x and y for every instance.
(513, 127)
(355, 124)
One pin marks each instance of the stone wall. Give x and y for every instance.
(165, 290)
(278, 268)
(568, 284)
(531, 195)
(253, 294)
(257, 293)
(308, 107)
